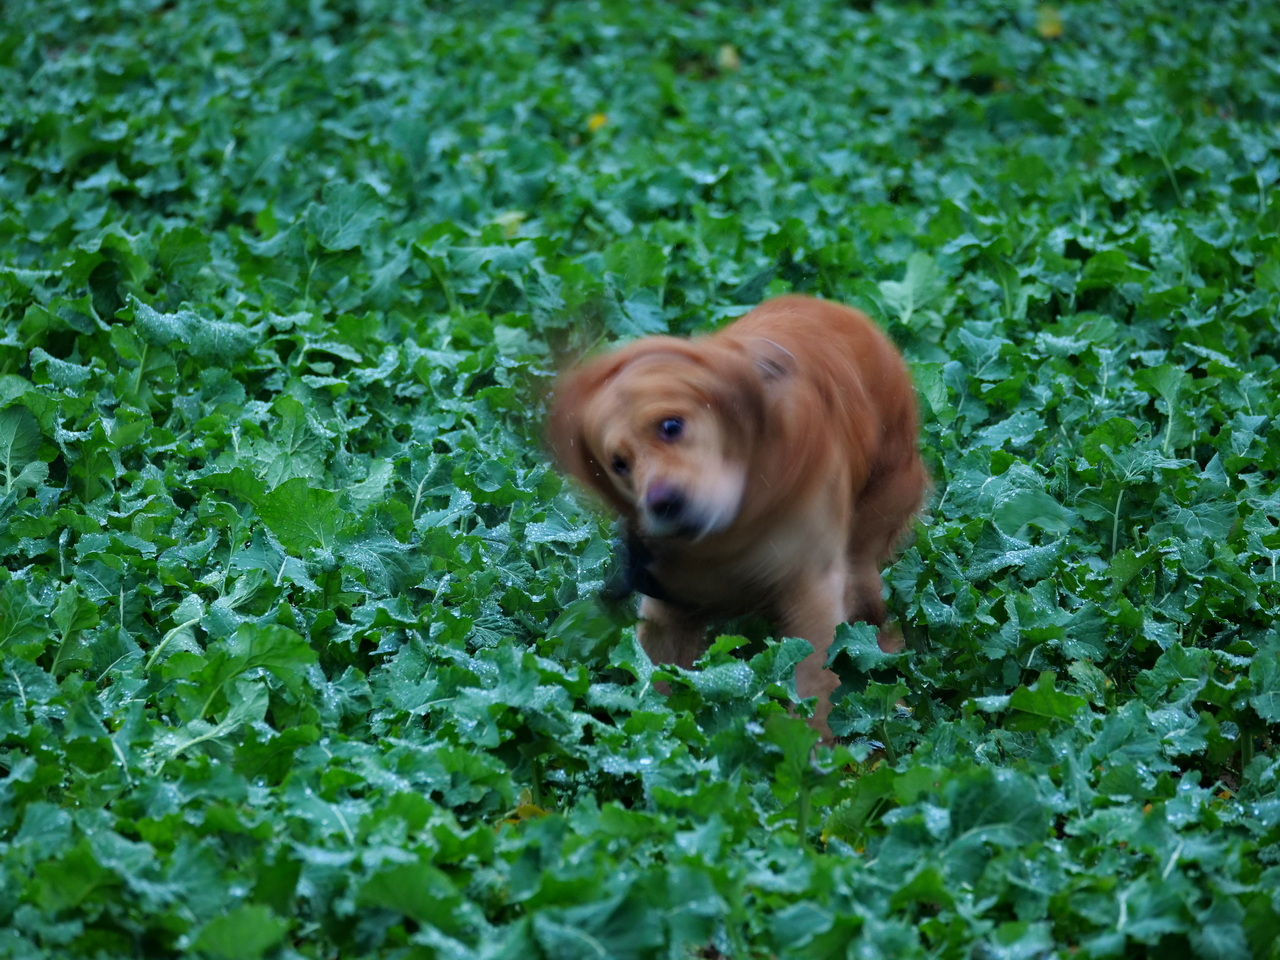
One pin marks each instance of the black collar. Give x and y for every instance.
(631, 574)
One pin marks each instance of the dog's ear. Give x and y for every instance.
(566, 434)
(773, 361)
(744, 374)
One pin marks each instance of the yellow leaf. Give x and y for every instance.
(510, 222)
(728, 58)
(1049, 22)
(525, 809)
(596, 121)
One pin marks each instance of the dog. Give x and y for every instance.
(771, 467)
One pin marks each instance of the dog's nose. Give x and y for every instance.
(664, 503)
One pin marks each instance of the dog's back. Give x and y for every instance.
(852, 390)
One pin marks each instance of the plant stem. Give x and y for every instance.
(802, 816)
(1115, 522)
(142, 366)
(1168, 167)
(167, 637)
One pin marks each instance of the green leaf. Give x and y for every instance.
(345, 216)
(61, 373)
(417, 890)
(1114, 435)
(638, 315)
(1042, 704)
(73, 615)
(272, 647)
(1020, 941)
(248, 701)
(613, 925)
(211, 340)
(1033, 508)
(372, 489)
(249, 932)
(992, 808)
(71, 879)
(302, 516)
(859, 641)
(1170, 383)
(637, 263)
(922, 284)
(20, 440)
(21, 619)
(1264, 676)
(1109, 268)
(297, 446)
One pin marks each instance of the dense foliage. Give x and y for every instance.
(299, 648)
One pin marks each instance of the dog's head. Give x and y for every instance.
(662, 429)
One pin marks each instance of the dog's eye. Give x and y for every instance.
(619, 465)
(670, 428)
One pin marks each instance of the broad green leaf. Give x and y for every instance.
(370, 490)
(612, 925)
(296, 445)
(1109, 268)
(21, 617)
(73, 614)
(1264, 674)
(210, 340)
(346, 215)
(859, 642)
(991, 808)
(1043, 704)
(247, 703)
(922, 284)
(637, 263)
(73, 878)
(1169, 383)
(1034, 508)
(1115, 435)
(274, 648)
(19, 441)
(418, 890)
(247, 932)
(301, 515)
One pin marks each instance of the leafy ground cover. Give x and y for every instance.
(299, 650)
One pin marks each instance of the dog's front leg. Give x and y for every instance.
(813, 609)
(669, 635)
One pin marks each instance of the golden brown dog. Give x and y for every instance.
(770, 467)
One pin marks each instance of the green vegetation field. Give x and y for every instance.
(300, 654)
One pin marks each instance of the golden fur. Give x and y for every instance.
(784, 488)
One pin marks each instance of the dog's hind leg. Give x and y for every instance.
(813, 609)
(883, 516)
(862, 596)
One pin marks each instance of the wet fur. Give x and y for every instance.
(797, 472)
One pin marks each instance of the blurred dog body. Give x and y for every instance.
(770, 467)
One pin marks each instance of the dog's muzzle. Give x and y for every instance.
(667, 512)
